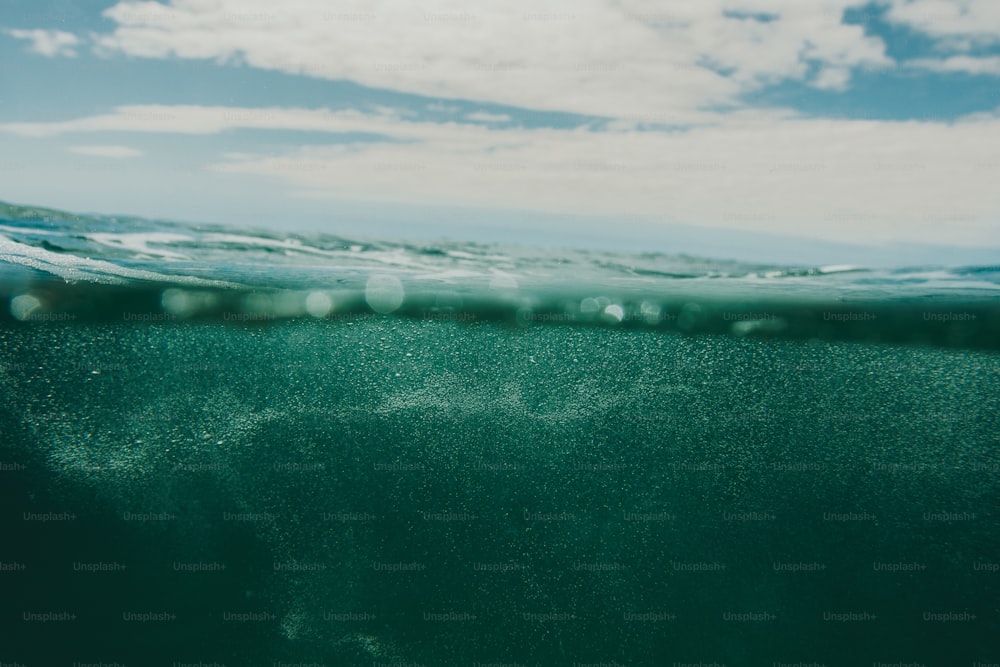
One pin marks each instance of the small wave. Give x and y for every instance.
(114, 269)
(72, 268)
(139, 243)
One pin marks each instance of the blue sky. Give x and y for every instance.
(846, 122)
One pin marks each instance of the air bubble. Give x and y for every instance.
(319, 304)
(21, 307)
(384, 293)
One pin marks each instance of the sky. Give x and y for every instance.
(584, 121)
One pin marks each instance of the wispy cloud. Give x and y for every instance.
(116, 152)
(437, 107)
(967, 64)
(487, 117)
(195, 119)
(49, 43)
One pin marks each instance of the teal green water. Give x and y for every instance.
(413, 491)
(227, 446)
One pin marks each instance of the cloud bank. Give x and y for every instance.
(597, 57)
(835, 179)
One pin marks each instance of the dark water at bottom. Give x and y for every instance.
(429, 493)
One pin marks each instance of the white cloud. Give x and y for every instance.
(443, 108)
(48, 42)
(967, 64)
(604, 57)
(834, 179)
(833, 78)
(960, 22)
(616, 58)
(487, 117)
(772, 172)
(117, 152)
(194, 119)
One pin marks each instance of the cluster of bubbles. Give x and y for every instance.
(383, 294)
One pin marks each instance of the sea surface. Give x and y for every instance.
(225, 446)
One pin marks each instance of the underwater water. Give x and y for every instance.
(242, 448)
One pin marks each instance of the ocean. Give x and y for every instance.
(225, 446)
